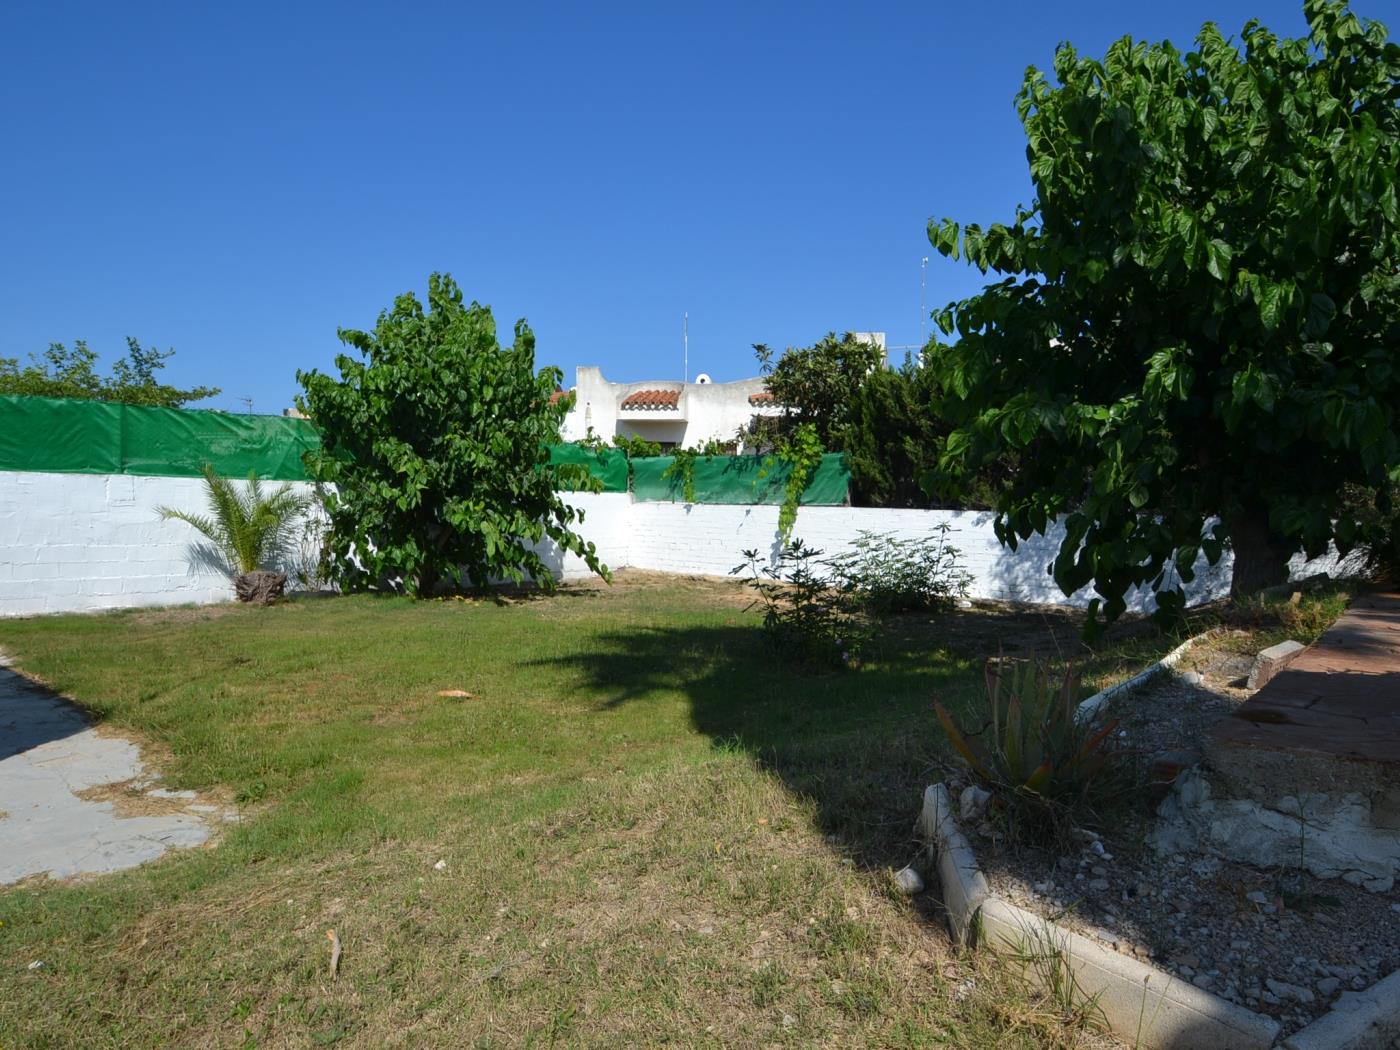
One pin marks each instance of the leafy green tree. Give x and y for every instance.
(818, 384)
(1194, 336)
(894, 437)
(64, 372)
(436, 441)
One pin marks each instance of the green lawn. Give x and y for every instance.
(654, 831)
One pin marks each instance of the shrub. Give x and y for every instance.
(435, 452)
(635, 447)
(1040, 762)
(809, 622)
(248, 527)
(897, 575)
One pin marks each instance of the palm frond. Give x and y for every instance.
(249, 529)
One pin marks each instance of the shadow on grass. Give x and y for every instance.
(860, 746)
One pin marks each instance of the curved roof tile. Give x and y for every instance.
(662, 400)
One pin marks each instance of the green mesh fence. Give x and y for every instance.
(736, 479)
(608, 465)
(71, 436)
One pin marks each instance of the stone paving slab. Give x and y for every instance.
(1340, 699)
(49, 752)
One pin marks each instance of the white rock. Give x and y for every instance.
(1383, 885)
(973, 802)
(1097, 847)
(1328, 986)
(1193, 678)
(1257, 897)
(908, 881)
(37, 964)
(440, 866)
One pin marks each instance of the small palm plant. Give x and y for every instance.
(248, 528)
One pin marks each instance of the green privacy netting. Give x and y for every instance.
(735, 479)
(70, 436)
(608, 465)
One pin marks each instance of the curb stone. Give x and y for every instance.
(1090, 707)
(1139, 1002)
(964, 885)
(1154, 1009)
(1368, 1020)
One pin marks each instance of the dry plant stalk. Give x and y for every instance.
(335, 952)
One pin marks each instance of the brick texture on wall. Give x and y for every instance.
(85, 542)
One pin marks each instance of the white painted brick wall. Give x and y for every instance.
(83, 542)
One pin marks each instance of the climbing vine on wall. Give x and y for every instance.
(683, 467)
(802, 452)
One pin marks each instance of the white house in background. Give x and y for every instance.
(669, 412)
(673, 413)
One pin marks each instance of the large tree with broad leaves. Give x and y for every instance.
(435, 444)
(1194, 342)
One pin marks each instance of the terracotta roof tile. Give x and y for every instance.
(663, 400)
(763, 397)
(559, 395)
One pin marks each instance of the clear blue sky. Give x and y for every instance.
(237, 181)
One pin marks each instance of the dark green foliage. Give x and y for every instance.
(635, 447)
(683, 467)
(1376, 512)
(435, 438)
(1039, 761)
(61, 372)
(809, 622)
(894, 437)
(888, 574)
(818, 384)
(1194, 336)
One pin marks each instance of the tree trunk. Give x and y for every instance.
(1261, 556)
(261, 587)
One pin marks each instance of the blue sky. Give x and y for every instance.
(238, 181)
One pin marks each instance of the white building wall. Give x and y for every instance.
(85, 542)
(706, 410)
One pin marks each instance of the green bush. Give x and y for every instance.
(898, 575)
(809, 622)
(435, 452)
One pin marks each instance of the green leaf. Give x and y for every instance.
(1218, 256)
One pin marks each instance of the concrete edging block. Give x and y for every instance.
(1368, 1020)
(964, 885)
(1138, 1002)
(1092, 705)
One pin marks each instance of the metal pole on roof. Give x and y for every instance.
(685, 339)
(923, 311)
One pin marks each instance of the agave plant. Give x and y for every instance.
(1031, 744)
(248, 527)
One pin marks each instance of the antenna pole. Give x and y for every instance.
(685, 339)
(923, 311)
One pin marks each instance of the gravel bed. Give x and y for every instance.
(1280, 942)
